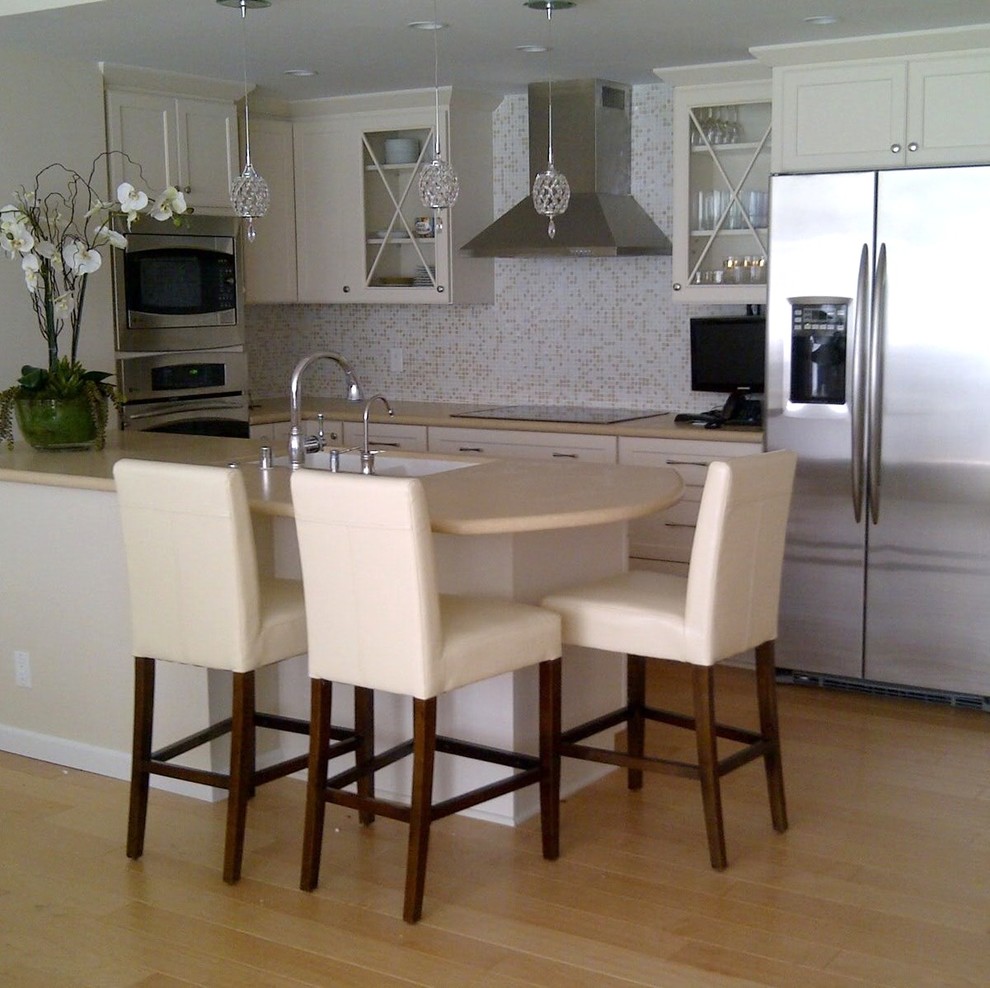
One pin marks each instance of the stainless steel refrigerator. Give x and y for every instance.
(878, 376)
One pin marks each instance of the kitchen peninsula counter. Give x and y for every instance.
(504, 528)
(490, 497)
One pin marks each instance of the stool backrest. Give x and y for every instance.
(733, 589)
(191, 563)
(369, 578)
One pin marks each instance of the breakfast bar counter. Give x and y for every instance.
(503, 527)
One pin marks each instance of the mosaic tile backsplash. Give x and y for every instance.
(592, 331)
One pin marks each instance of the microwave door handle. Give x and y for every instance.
(187, 406)
(858, 405)
(875, 386)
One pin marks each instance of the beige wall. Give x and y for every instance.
(49, 111)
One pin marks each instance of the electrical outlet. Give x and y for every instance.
(395, 360)
(22, 669)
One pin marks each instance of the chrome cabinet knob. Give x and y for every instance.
(913, 146)
(895, 149)
(677, 286)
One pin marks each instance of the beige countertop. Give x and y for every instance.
(436, 414)
(494, 496)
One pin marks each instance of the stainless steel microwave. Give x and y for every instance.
(179, 287)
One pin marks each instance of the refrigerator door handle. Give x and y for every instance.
(858, 391)
(875, 385)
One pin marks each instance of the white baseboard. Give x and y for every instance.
(88, 758)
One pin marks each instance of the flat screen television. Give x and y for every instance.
(728, 356)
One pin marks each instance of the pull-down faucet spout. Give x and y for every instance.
(297, 443)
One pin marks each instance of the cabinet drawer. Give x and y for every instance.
(524, 445)
(669, 535)
(386, 435)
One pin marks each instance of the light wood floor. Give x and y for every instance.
(883, 878)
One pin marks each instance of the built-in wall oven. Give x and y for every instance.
(202, 393)
(179, 326)
(179, 287)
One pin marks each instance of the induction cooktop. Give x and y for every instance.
(559, 413)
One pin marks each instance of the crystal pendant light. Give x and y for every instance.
(438, 184)
(249, 194)
(551, 191)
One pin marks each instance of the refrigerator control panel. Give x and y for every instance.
(818, 350)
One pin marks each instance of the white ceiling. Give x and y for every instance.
(360, 46)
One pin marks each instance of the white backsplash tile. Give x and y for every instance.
(596, 331)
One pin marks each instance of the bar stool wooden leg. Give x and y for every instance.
(421, 809)
(711, 794)
(144, 707)
(766, 687)
(364, 726)
(321, 694)
(550, 681)
(241, 773)
(635, 722)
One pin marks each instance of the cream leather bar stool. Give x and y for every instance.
(376, 620)
(726, 605)
(197, 598)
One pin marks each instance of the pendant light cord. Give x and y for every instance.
(549, 84)
(436, 79)
(247, 123)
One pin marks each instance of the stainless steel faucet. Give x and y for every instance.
(298, 444)
(367, 454)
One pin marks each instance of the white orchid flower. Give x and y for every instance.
(131, 200)
(170, 203)
(105, 235)
(80, 259)
(17, 238)
(64, 305)
(31, 266)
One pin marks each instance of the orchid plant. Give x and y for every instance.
(57, 235)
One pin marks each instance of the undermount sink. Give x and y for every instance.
(386, 465)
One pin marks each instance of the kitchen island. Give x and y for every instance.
(503, 527)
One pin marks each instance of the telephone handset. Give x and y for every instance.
(733, 406)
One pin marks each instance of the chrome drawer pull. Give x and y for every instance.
(688, 463)
(565, 456)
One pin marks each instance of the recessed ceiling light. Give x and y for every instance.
(532, 49)
(427, 25)
(821, 20)
(300, 72)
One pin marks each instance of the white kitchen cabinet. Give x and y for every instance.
(882, 113)
(187, 142)
(721, 188)
(522, 444)
(663, 541)
(270, 261)
(387, 435)
(357, 201)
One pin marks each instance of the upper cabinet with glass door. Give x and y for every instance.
(363, 233)
(721, 192)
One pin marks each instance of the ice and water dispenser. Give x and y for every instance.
(818, 349)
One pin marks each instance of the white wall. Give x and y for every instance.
(603, 331)
(49, 111)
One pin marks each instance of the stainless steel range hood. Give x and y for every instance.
(592, 146)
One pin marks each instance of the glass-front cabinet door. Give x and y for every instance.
(721, 192)
(362, 231)
(400, 233)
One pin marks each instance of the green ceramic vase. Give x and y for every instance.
(56, 423)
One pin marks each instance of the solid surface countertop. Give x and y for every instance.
(444, 414)
(490, 497)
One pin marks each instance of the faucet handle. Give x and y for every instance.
(319, 430)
